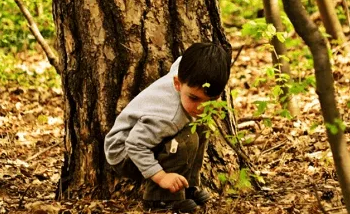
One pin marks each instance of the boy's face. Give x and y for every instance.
(191, 97)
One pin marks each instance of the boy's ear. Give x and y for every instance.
(177, 83)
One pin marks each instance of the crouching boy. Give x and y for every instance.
(151, 138)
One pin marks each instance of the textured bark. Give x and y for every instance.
(325, 90)
(273, 16)
(109, 51)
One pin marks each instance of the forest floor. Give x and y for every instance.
(295, 161)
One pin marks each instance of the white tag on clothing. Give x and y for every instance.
(173, 146)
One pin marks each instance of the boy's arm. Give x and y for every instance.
(147, 133)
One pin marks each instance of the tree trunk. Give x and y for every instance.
(109, 51)
(273, 16)
(325, 90)
(330, 20)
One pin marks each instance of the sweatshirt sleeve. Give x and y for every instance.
(147, 133)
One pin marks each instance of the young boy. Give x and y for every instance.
(151, 137)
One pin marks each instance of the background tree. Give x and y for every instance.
(273, 16)
(325, 90)
(109, 51)
(330, 20)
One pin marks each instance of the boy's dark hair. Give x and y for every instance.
(205, 63)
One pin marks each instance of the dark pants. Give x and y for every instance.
(187, 161)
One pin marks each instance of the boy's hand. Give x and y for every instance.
(171, 181)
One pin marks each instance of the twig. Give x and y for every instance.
(35, 30)
(43, 151)
(245, 119)
(237, 55)
(336, 208)
(318, 199)
(20, 203)
(246, 125)
(272, 148)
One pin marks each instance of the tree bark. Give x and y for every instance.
(325, 90)
(109, 51)
(273, 16)
(330, 20)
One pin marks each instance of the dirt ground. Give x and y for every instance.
(295, 161)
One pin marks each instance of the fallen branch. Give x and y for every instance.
(336, 208)
(20, 203)
(273, 148)
(318, 199)
(35, 30)
(259, 118)
(43, 151)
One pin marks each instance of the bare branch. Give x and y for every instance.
(43, 151)
(35, 30)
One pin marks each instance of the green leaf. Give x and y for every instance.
(348, 104)
(244, 180)
(248, 140)
(270, 31)
(281, 36)
(340, 124)
(233, 140)
(314, 126)
(262, 105)
(286, 114)
(258, 81)
(207, 134)
(284, 76)
(222, 177)
(193, 128)
(297, 88)
(269, 47)
(270, 72)
(332, 128)
(206, 85)
(212, 126)
(260, 179)
(284, 57)
(234, 93)
(267, 122)
(42, 119)
(277, 91)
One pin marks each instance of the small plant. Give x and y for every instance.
(240, 181)
(211, 109)
(218, 109)
(282, 86)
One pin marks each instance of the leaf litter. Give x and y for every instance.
(295, 161)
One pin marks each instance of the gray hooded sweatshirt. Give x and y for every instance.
(154, 114)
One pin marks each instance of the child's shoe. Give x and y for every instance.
(200, 196)
(186, 206)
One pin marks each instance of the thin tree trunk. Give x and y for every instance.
(325, 90)
(110, 51)
(273, 16)
(330, 21)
